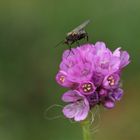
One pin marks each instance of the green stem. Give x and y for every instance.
(87, 135)
(87, 124)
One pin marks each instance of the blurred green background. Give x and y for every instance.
(29, 30)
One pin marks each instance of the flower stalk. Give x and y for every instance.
(86, 126)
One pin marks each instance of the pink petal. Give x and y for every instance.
(114, 64)
(77, 110)
(109, 104)
(100, 45)
(124, 59)
(83, 111)
(70, 110)
(117, 52)
(71, 96)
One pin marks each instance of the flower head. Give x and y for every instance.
(92, 72)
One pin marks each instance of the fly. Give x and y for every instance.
(76, 34)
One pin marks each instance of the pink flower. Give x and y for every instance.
(123, 56)
(62, 79)
(78, 107)
(111, 81)
(87, 88)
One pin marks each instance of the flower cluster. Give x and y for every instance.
(92, 73)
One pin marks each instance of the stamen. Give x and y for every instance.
(62, 79)
(111, 80)
(87, 87)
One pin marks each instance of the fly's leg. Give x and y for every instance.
(70, 50)
(87, 37)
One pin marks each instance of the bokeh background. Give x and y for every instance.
(29, 30)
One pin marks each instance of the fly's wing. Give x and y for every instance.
(80, 27)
